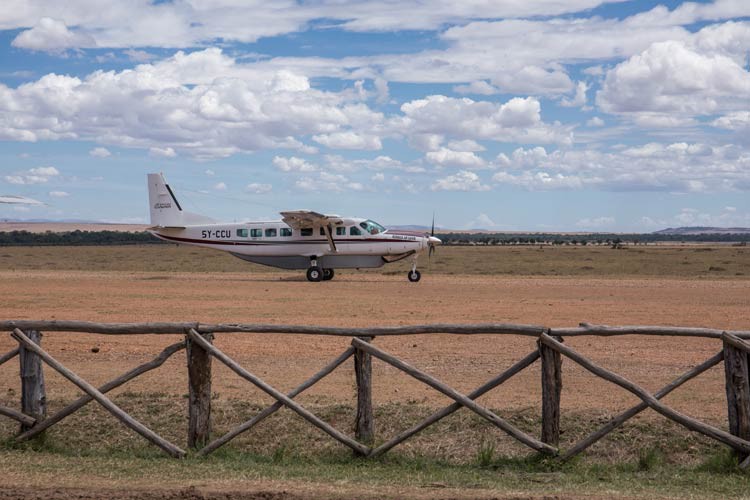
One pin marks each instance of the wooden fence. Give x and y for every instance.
(198, 343)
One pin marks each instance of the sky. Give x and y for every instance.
(539, 115)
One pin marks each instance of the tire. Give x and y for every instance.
(414, 276)
(314, 274)
(328, 274)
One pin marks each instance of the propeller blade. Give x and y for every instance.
(432, 233)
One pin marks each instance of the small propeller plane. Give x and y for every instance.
(302, 239)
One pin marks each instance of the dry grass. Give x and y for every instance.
(675, 261)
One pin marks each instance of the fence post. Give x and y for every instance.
(33, 395)
(364, 426)
(738, 392)
(551, 362)
(199, 402)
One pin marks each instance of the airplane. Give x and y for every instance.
(302, 239)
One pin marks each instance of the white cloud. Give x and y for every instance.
(518, 120)
(139, 55)
(52, 35)
(483, 221)
(480, 87)
(596, 223)
(595, 122)
(258, 188)
(167, 152)
(463, 180)
(39, 175)
(738, 120)
(379, 177)
(327, 182)
(674, 80)
(220, 186)
(209, 172)
(670, 167)
(446, 157)
(59, 194)
(349, 140)
(293, 164)
(579, 100)
(100, 153)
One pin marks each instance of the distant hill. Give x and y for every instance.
(696, 230)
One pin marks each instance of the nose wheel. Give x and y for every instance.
(414, 275)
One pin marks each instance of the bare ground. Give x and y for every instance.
(371, 299)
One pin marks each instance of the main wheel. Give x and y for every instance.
(328, 274)
(314, 274)
(414, 276)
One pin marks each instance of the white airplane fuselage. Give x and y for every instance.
(303, 240)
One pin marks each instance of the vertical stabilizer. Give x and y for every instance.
(164, 207)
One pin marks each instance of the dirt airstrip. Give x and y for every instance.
(369, 299)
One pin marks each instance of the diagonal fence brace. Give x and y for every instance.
(649, 399)
(458, 397)
(270, 410)
(17, 416)
(278, 395)
(440, 414)
(9, 355)
(86, 399)
(99, 397)
(635, 410)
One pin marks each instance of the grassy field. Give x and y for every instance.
(677, 261)
(475, 461)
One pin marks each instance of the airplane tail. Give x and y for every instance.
(166, 210)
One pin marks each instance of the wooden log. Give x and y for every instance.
(364, 424)
(670, 331)
(440, 414)
(8, 355)
(16, 415)
(170, 328)
(457, 396)
(737, 385)
(99, 397)
(650, 400)
(551, 371)
(214, 445)
(279, 396)
(85, 399)
(199, 392)
(628, 414)
(735, 342)
(478, 329)
(33, 394)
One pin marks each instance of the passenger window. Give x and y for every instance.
(271, 233)
(285, 231)
(256, 233)
(322, 232)
(340, 231)
(305, 231)
(354, 231)
(242, 233)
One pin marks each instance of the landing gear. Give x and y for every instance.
(314, 274)
(414, 275)
(328, 274)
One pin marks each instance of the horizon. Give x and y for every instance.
(580, 116)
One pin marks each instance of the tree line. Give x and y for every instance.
(79, 238)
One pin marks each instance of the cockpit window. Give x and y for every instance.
(354, 231)
(372, 227)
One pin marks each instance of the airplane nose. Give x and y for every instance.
(434, 241)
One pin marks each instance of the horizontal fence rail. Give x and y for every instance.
(551, 348)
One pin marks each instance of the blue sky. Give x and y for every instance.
(546, 115)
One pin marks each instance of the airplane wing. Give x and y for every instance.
(298, 219)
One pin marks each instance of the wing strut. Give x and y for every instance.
(328, 228)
